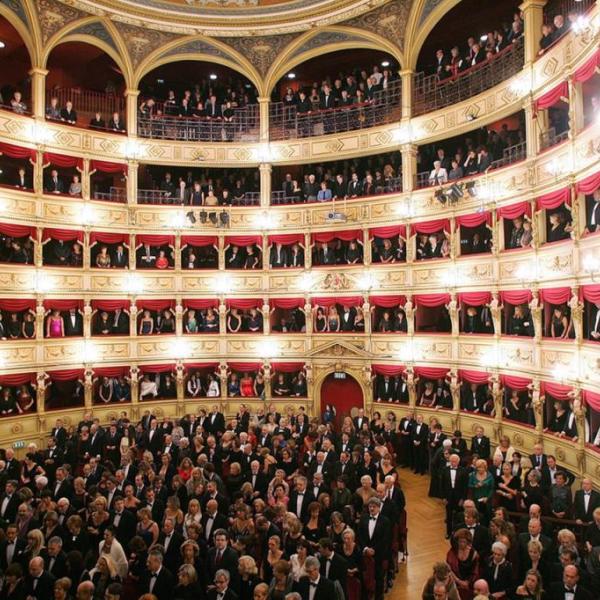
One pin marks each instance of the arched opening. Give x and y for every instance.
(91, 81)
(193, 100)
(364, 91)
(470, 49)
(16, 64)
(341, 391)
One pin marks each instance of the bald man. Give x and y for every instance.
(586, 501)
(85, 591)
(39, 583)
(569, 587)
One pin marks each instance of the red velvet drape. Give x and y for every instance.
(286, 303)
(287, 239)
(345, 236)
(554, 199)
(390, 370)
(431, 300)
(387, 301)
(514, 210)
(108, 167)
(13, 151)
(388, 232)
(199, 241)
(553, 96)
(515, 383)
(478, 377)
(556, 390)
(201, 303)
(475, 298)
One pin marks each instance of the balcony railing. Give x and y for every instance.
(551, 138)
(510, 155)
(89, 102)
(242, 128)
(159, 197)
(564, 7)
(279, 198)
(285, 122)
(430, 93)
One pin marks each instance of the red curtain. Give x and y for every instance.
(287, 367)
(244, 303)
(588, 69)
(343, 300)
(66, 375)
(388, 232)
(286, 303)
(553, 96)
(287, 239)
(17, 231)
(475, 219)
(17, 379)
(588, 185)
(431, 372)
(345, 236)
(590, 398)
(13, 151)
(243, 240)
(201, 304)
(108, 167)
(202, 365)
(431, 300)
(154, 304)
(62, 161)
(591, 293)
(432, 226)
(64, 235)
(390, 370)
(554, 199)
(475, 298)
(109, 238)
(478, 377)
(63, 304)
(155, 240)
(199, 242)
(515, 297)
(556, 390)
(110, 305)
(515, 383)
(245, 366)
(387, 301)
(167, 368)
(514, 210)
(17, 304)
(555, 295)
(111, 371)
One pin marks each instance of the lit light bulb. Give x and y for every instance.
(306, 281)
(223, 283)
(134, 284)
(268, 349)
(180, 348)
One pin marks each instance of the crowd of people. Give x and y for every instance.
(255, 507)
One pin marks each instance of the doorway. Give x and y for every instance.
(344, 394)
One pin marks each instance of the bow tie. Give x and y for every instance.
(372, 518)
(313, 584)
(587, 493)
(154, 575)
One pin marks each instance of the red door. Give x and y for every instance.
(344, 394)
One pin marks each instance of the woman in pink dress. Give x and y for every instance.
(54, 325)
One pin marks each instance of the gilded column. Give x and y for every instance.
(533, 19)
(38, 253)
(263, 122)
(307, 251)
(410, 246)
(579, 412)
(533, 127)
(412, 386)
(38, 171)
(131, 99)
(87, 319)
(86, 184)
(40, 384)
(221, 252)
(223, 380)
(454, 239)
(496, 311)
(132, 181)
(576, 307)
(86, 249)
(576, 108)
(367, 249)
(407, 77)
(133, 322)
(177, 251)
(308, 314)
(265, 184)
(88, 388)
(178, 317)
(310, 388)
(366, 307)
(409, 311)
(179, 383)
(536, 314)
(265, 252)
(40, 317)
(266, 314)
(134, 378)
(537, 402)
(132, 249)
(268, 374)
(409, 167)
(222, 317)
(452, 308)
(38, 92)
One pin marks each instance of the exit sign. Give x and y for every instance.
(19, 444)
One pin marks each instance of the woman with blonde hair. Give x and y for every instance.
(103, 574)
(248, 572)
(173, 511)
(147, 529)
(193, 515)
(35, 543)
(504, 449)
(261, 591)
(62, 587)
(282, 582)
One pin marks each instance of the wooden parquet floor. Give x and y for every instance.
(426, 537)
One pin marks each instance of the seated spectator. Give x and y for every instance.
(54, 184)
(438, 175)
(53, 110)
(75, 187)
(98, 122)
(456, 172)
(68, 114)
(115, 123)
(17, 103)
(558, 228)
(547, 38)
(23, 181)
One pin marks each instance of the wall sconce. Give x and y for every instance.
(42, 283)
(177, 220)
(405, 134)
(263, 153)
(180, 349)
(367, 281)
(269, 349)
(306, 281)
(565, 373)
(404, 208)
(88, 215)
(134, 284)
(492, 358)
(266, 220)
(521, 86)
(450, 276)
(39, 133)
(89, 351)
(591, 265)
(410, 352)
(223, 283)
(132, 149)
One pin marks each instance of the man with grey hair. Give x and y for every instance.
(157, 579)
(300, 498)
(85, 591)
(315, 586)
(222, 591)
(375, 538)
(55, 560)
(39, 584)
(455, 485)
(293, 596)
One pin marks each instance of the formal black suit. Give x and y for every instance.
(172, 555)
(59, 568)
(125, 530)
(261, 482)
(381, 543)
(228, 561)
(454, 494)
(73, 326)
(44, 589)
(579, 511)
(538, 462)
(325, 589)
(215, 423)
(219, 522)
(279, 259)
(163, 586)
(62, 490)
(17, 554)
(293, 504)
(385, 390)
(120, 261)
(338, 569)
(481, 446)
(212, 595)
(153, 441)
(10, 510)
(557, 590)
(418, 439)
(481, 538)
(406, 458)
(54, 185)
(525, 538)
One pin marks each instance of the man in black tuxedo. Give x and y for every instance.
(592, 224)
(9, 502)
(258, 479)
(212, 493)
(222, 556)
(171, 541)
(406, 458)
(153, 438)
(355, 188)
(569, 588)
(385, 389)
(11, 548)
(146, 256)
(472, 398)
(120, 257)
(222, 589)
(360, 419)
(120, 322)
(96, 443)
(418, 440)
(215, 423)
(324, 589)
(319, 465)
(278, 256)
(59, 433)
(333, 565)
(123, 521)
(480, 444)
(53, 457)
(533, 533)
(73, 323)
(325, 255)
(62, 487)
(480, 534)
(586, 501)
(550, 471)
(12, 466)
(300, 498)
(455, 480)
(59, 252)
(538, 458)
(212, 521)
(54, 184)
(157, 579)
(375, 538)
(39, 584)
(156, 506)
(347, 318)
(55, 559)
